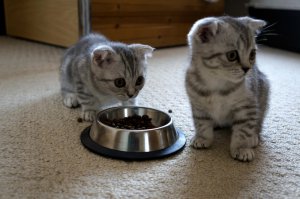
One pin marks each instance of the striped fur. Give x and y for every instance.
(90, 68)
(224, 85)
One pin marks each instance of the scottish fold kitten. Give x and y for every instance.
(96, 72)
(223, 83)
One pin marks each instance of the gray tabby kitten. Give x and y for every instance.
(223, 83)
(96, 72)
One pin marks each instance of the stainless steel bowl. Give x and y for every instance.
(130, 140)
(131, 144)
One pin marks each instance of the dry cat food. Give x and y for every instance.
(136, 122)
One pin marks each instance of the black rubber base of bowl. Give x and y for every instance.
(94, 147)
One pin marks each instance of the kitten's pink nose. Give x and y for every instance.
(130, 92)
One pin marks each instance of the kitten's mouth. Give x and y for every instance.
(236, 78)
(123, 97)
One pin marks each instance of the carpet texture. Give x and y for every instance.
(42, 156)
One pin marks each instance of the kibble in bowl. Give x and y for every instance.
(135, 131)
(131, 122)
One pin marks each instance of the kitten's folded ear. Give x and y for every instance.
(142, 51)
(100, 53)
(253, 24)
(203, 30)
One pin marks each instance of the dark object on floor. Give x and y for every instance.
(2, 19)
(284, 30)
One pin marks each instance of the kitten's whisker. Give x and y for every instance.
(267, 31)
(262, 39)
(266, 27)
(270, 34)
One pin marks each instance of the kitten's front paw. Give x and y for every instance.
(89, 115)
(201, 143)
(243, 154)
(70, 100)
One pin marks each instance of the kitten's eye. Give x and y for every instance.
(252, 55)
(139, 81)
(232, 55)
(120, 82)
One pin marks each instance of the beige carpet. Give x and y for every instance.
(42, 156)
